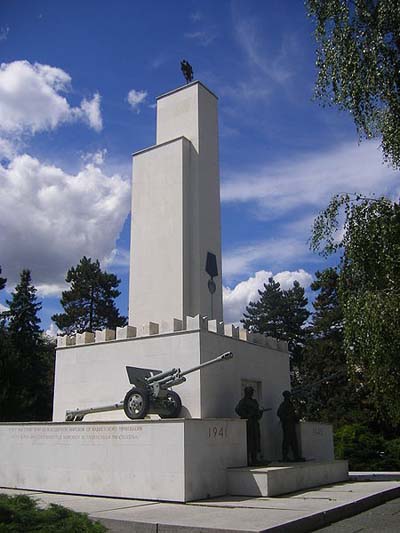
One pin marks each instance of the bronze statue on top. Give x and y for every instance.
(248, 409)
(289, 419)
(187, 70)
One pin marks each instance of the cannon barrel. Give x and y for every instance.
(159, 377)
(222, 357)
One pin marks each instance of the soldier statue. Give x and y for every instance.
(289, 419)
(187, 70)
(248, 409)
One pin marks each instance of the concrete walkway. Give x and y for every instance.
(299, 512)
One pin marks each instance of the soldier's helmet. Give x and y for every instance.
(248, 391)
(286, 394)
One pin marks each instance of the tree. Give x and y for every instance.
(267, 315)
(3, 282)
(358, 62)
(23, 322)
(369, 281)
(26, 358)
(89, 303)
(281, 314)
(329, 394)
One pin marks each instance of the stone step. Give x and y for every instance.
(283, 478)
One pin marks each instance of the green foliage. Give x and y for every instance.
(23, 322)
(326, 393)
(369, 280)
(280, 314)
(3, 281)
(358, 64)
(20, 514)
(89, 303)
(26, 358)
(366, 450)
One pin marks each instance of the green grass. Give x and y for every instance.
(20, 514)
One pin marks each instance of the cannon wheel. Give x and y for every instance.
(173, 403)
(136, 403)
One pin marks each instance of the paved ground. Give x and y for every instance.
(300, 512)
(385, 518)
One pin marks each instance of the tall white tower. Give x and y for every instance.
(176, 226)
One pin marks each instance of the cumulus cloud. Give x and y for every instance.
(3, 308)
(274, 252)
(32, 99)
(136, 98)
(119, 259)
(236, 298)
(97, 158)
(90, 110)
(7, 149)
(50, 218)
(310, 181)
(52, 331)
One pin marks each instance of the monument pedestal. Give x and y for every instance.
(94, 374)
(282, 478)
(175, 460)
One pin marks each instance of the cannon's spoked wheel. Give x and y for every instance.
(136, 403)
(173, 404)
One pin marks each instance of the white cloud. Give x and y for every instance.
(136, 98)
(91, 110)
(236, 299)
(3, 308)
(4, 31)
(196, 16)
(270, 64)
(118, 258)
(274, 252)
(53, 330)
(31, 99)
(287, 278)
(7, 149)
(97, 158)
(50, 219)
(202, 37)
(51, 289)
(311, 180)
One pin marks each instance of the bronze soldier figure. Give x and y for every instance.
(289, 419)
(248, 409)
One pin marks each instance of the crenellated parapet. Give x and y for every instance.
(173, 325)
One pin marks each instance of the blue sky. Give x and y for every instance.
(68, 128)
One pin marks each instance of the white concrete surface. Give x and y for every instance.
(174, 460)
(305, 511)
(176, 212)
(93, 375)
(316, 441)
(283, 478)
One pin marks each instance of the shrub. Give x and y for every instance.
(20, 514)
(366, 450)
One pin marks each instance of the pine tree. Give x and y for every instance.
(280, 314)
(23, 322)
(89, 303)
(296, 315)
(2, 281)
(26, 359)
(267, 315)
(328, 394)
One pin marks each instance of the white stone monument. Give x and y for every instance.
(174, 321)
(176, 212)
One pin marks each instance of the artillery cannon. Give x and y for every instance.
(151, 393)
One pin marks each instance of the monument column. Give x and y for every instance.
(176, 212)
